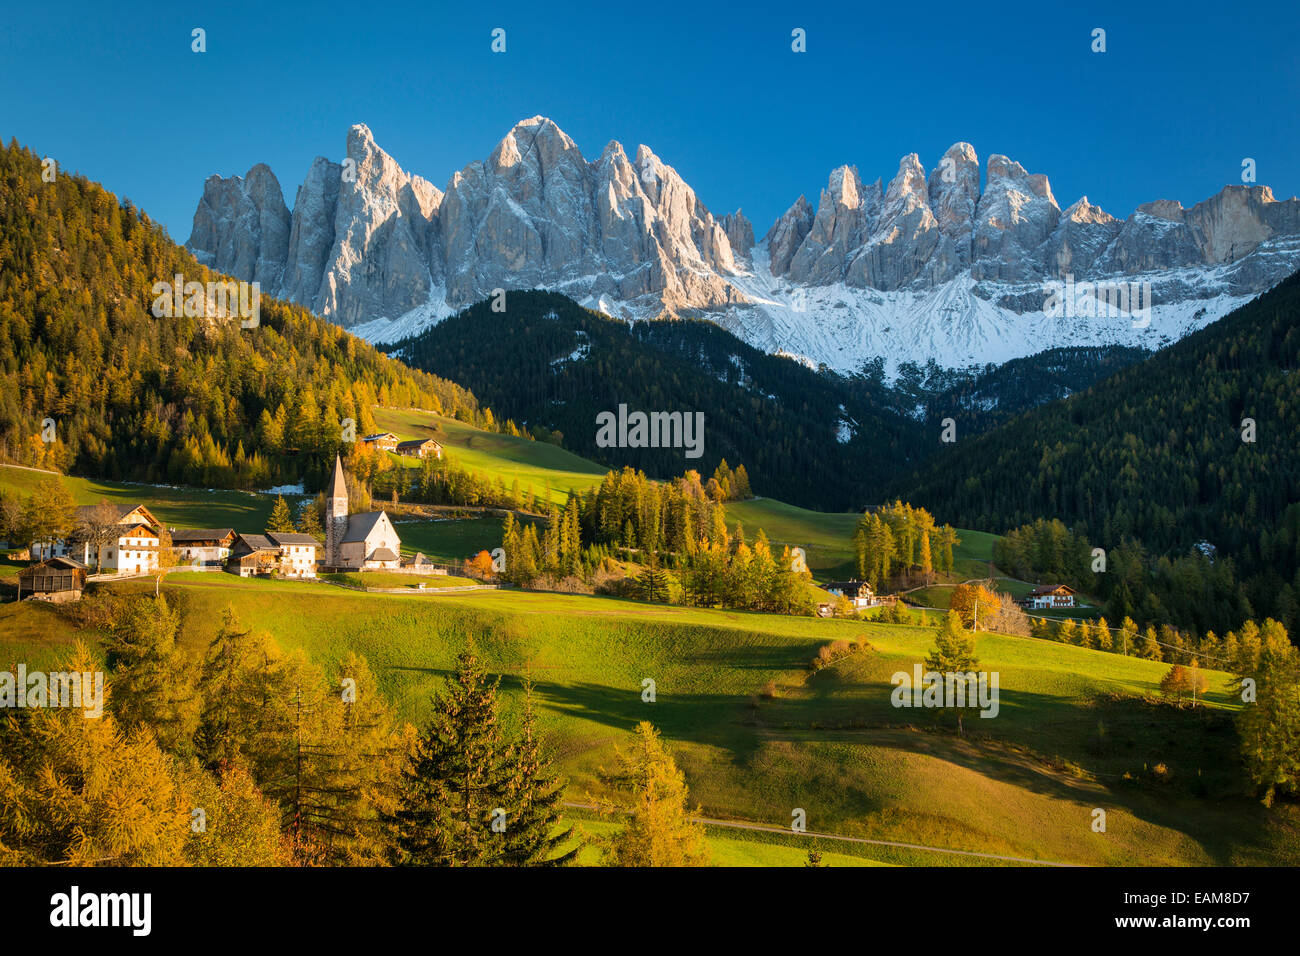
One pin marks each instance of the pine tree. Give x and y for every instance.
(534, 835)
(309, 520)
(653, 584)
(281, 520)
(954, 648)
(457, 780)
(954, 653)
(80, 791)
(153, 680)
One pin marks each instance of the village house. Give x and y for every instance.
(289, 554)
(858, 593)
(55, 579)
(361, 542)
(199, 548)
(1050, 596)
(419, 448)
(297, 553)
(384, 441)
(253, 555)
(134, 550)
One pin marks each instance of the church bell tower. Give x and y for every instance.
(336, 515)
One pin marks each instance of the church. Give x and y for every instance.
(364, 542)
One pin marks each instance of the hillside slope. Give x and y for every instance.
(1071, 724)
(197, 400)
(1196, 444)
(803, 437)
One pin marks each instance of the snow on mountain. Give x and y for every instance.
(926, 267)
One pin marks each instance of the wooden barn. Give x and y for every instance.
(55, 579)
(419, 448)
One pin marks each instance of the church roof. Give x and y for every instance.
(339, 485)
(360, 526)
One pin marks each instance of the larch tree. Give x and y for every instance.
(659, 831)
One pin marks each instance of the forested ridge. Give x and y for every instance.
(1191, 456)
(552, 363)
(187, 400)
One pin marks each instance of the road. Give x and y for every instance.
(767, 828)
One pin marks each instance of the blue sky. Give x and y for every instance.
(1182, 94)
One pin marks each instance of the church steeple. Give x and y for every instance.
(336, 514)
(339, 486)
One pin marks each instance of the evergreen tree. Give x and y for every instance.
(458, 779)
(78, 791)
(281, 520)
(653, 584)
(534, 833)
(309, 520)
(954, 648)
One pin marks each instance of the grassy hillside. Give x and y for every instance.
(177, 507)
(759, 734)
(827, 539)
(1195, 444)
(547, 361)
(531, 463)
(138, 393)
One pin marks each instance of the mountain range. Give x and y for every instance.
(935, 266)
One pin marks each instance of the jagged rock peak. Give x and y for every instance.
(1083, 211)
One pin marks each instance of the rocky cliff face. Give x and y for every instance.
(241, 227)
(384, 251)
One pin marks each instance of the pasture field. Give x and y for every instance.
(450, 539)
(759, 733)
(386, 579)
(534, 464)
(827, 539)
(175, 507)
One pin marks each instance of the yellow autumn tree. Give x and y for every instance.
(660, 831)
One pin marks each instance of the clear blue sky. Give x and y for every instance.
(1184, 92)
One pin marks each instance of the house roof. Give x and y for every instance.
(360, 526)
(293, 537)
(185, 535)
(85, 511)
(1050, 589)
(846, 586)
(258, 542)
(339, 484)
(416, 442)
(382, 554)
(70, 564)
(378, 435)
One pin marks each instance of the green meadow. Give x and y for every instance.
(759, 733)
(757, 730)
(175, 507)
(534, 464)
